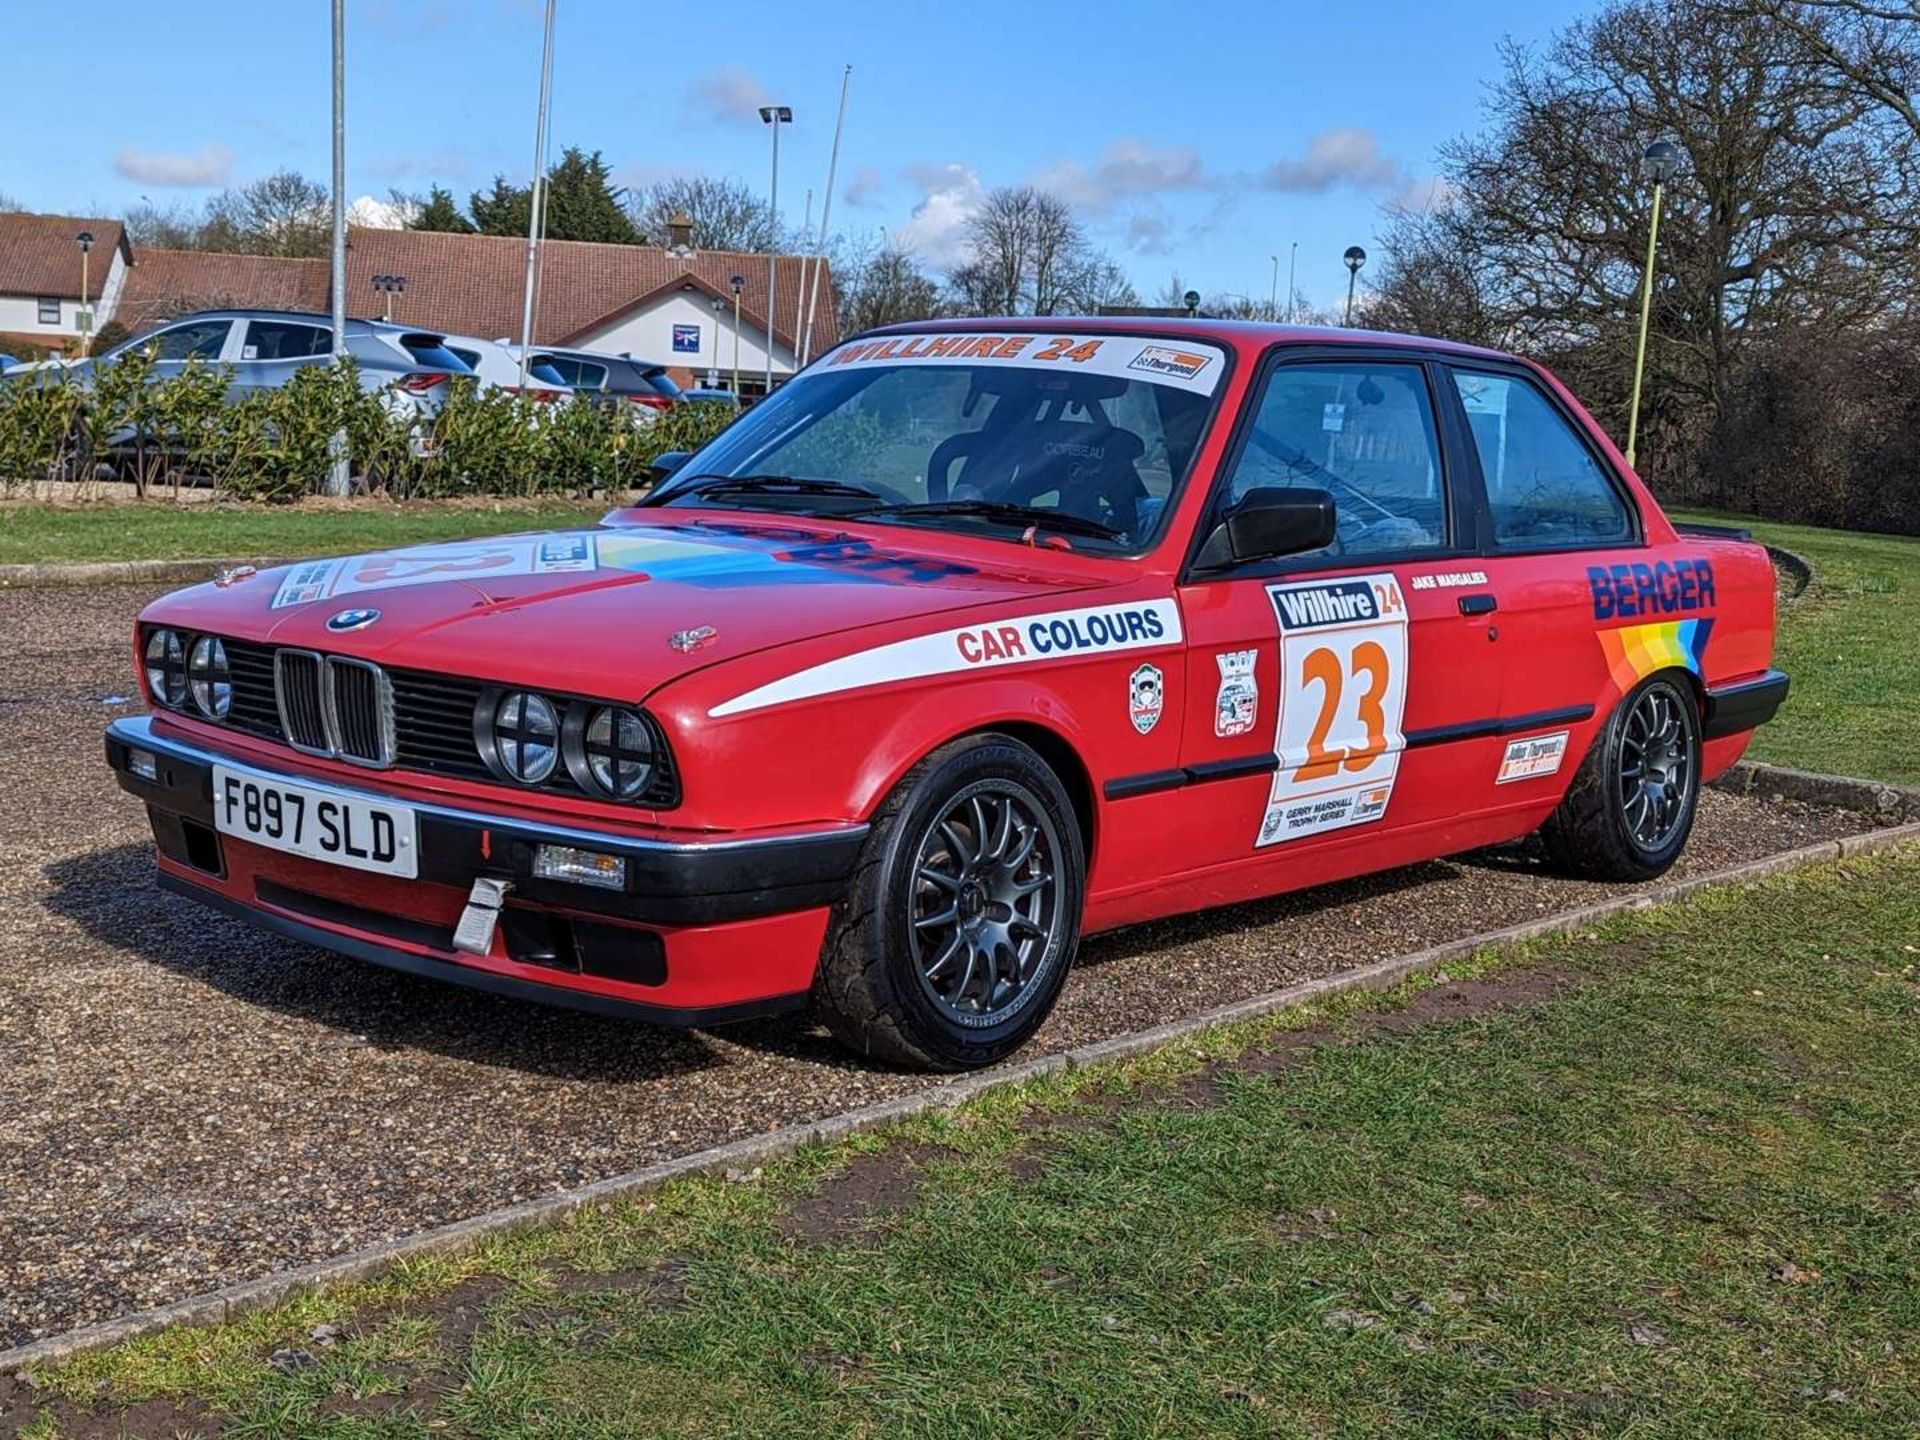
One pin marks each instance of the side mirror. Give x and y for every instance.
(1268, 522)
(666, 462)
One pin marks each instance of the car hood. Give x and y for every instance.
(614, 611)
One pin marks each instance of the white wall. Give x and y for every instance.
(20, 314)
(648, 335)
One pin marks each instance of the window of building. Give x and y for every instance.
(49, 310)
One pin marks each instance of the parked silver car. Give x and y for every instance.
(263, 348)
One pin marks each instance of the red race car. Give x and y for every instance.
(973, 639)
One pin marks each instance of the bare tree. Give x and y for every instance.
(282, 214)
(1027, 254)
(726, 214)
(887, 290)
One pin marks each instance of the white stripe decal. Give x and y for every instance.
(1022, 640)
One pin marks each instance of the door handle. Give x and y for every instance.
(1478, 604)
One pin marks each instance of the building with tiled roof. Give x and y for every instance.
(43, 272)
(163, 284)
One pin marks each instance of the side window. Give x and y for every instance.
(49, 310)
(284, 340)
(1365, 434)
(1544, 486)
(196, 340)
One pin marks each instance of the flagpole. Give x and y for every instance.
(826, 210)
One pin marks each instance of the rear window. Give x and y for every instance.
(433, 353)
(580, 374)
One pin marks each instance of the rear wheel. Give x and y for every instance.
(1630, 807)
(962, 917)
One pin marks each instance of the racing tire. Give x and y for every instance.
(962, 916)
(1630, 807)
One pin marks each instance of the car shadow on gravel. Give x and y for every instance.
(111, 896)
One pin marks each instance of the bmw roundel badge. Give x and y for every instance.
(351, 620)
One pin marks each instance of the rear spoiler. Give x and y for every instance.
(1714, 532)
(422, 339)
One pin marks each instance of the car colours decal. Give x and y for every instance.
(1026, 640)
(1189, 365)
(1635, 652)
(1343, 689)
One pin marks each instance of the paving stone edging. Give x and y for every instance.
(1887, 803)
(125, 572)
(373, 1261)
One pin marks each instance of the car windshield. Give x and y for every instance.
(998, 434)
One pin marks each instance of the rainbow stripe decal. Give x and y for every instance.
(1635, 652)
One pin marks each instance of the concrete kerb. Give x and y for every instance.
(125, 572)
(373, 1261)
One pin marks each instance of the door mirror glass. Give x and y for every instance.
(1269, 522)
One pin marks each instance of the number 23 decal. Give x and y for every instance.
(1343, 673)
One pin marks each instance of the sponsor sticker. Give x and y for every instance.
(1196, 367)
(1449, 579)
(1343, 689)
(1532, 757)
(1026, 640)
(1333, 419)
(1146, 697)
(1236, 705)
(1641, 591)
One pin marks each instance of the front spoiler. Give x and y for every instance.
(669, 883)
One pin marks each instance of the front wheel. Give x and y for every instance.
(963, 915)
(1631, 804)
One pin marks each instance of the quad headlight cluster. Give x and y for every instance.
(610, 751)
(183, 672)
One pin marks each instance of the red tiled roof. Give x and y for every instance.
(472, 284)
(165, 283)
(40, 254)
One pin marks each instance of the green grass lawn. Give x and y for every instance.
(1672, 1195)
(1853, 650)
(73, 534)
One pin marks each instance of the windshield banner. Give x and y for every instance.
(1184, 364)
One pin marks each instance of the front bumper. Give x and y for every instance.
(704, 931)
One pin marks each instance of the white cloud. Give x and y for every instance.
(936, 231)
(1426, 196)
(209, 166)
(1149, 232)
(730, 95)
(449, 162)
(379, 214)
(1127, 169)
(864, 186)
(1335, 158)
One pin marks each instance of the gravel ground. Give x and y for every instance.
(185, 1102)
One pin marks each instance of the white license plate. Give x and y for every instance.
(320, 824)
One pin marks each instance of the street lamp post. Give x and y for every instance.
(1355, 258)
(1273, 293)
(776, 116)
(1293, 258)
(85, 241)
(1660, 164)
(1192, 301)
(736, 284)
(339, 461)
(713, 370)
(389, 286)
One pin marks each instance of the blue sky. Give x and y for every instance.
(1201, 139)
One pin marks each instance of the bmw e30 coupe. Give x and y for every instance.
(973, 639)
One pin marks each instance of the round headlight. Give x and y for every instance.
(526, 736)
(619, 751)
(208, 679)
(166, 663)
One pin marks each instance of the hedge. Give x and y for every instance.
(275, 445)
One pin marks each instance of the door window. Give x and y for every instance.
(1545, 488)
(285, 340)
(196, 340)
(1365, 434)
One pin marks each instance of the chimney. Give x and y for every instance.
(680, 233)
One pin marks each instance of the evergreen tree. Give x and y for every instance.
(503, 211)
(582, 203)
(439, 211)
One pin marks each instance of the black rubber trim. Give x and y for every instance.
(1264, 763)
(1733, 708)
(667, 884)
(1504, 725)
(1712, 532)
(455, 973)
(1151, 783)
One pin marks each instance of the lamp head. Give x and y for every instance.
(1355, 258)
(1662, 161)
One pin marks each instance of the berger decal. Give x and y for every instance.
(1027, 640)
(1641, 591)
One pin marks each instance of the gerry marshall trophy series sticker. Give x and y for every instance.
(1238, 701)
(1146, 697)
